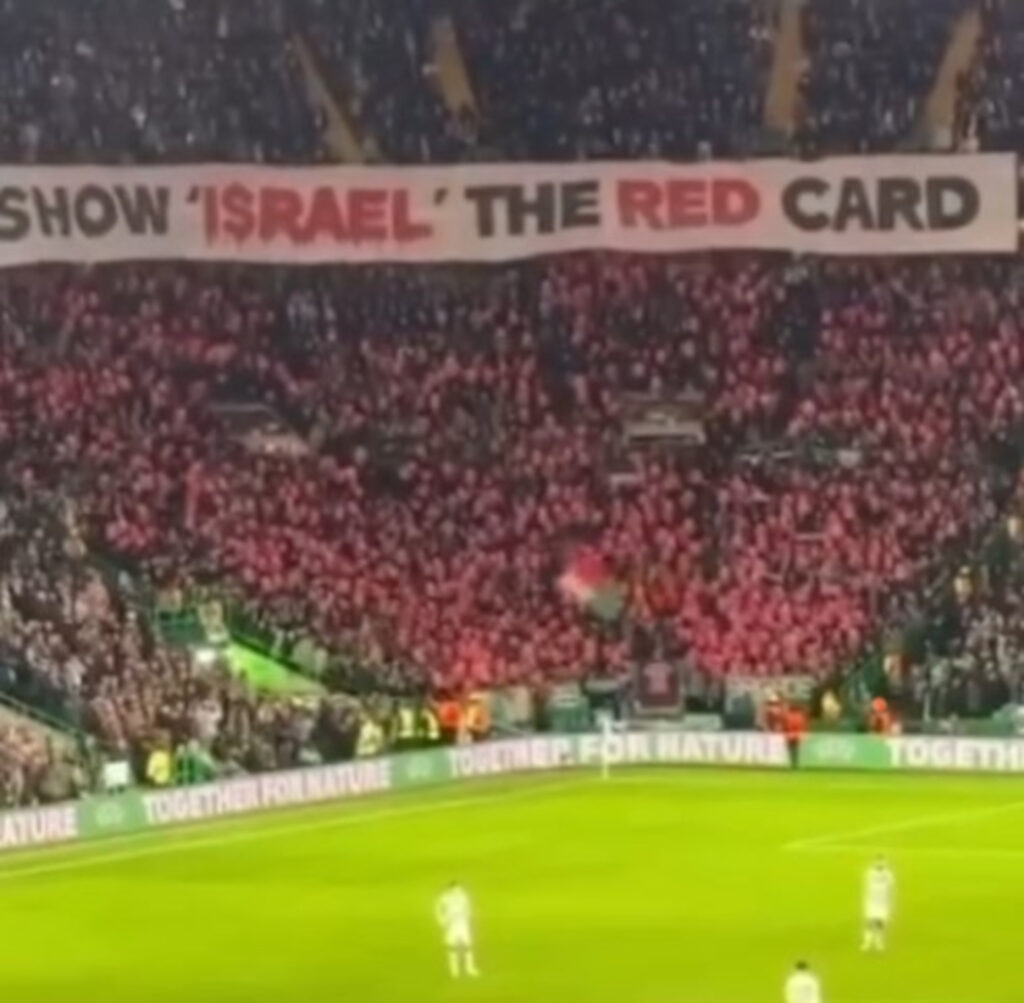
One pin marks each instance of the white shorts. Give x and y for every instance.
(458, 936)
(876, 916)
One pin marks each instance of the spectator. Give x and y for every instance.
(990, 99)
(138, 81)
(871, 65)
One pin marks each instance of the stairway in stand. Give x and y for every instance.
(940, 109)
(452, 77)
(783, 93)
(341, 138)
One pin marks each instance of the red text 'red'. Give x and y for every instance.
(682, 203)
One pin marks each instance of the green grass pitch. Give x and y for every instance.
(657, 886)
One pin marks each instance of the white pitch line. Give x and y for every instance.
(918, 822)
(710, 778)
(155, 846)
(866, 849)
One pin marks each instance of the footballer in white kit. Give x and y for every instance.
(454, 914)
(879, 891)
(802, 985)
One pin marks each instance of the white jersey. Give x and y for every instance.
(803, 987)
(455, 914)
(879, 887)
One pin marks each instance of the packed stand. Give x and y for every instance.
(583, 79)
(909, 412)
(37, 761)
(460, 431)
(37, 770)
(553, 81)
(180, 81)
(378, 58)
(963, 658)
(871, 65)
(98, 81)
(991, 98)
(73, 648)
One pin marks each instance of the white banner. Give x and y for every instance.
(634, 748)
(968, 755)
(266, 791)
(38, 826)
(243, 795)
(317, 215)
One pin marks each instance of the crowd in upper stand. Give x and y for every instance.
(106, 81)
(871, 65)
(180, 80)
(379, 55)
(597, 80)
(991, 110)
(454, 433)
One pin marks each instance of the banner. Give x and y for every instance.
(929, 753)
(111, 815)
(844, 752)
(967, 755)
(414, 769)
(137, 810)
(634, 748)
(267, 791)
(38, 827)
(485, 213)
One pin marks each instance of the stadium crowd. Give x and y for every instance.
(962, 655)
(393, 466)
(609, 79)
(992, 92)
(379, 55)
(75, 650)
(455, 441)
(106, 81)
(870, 67)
